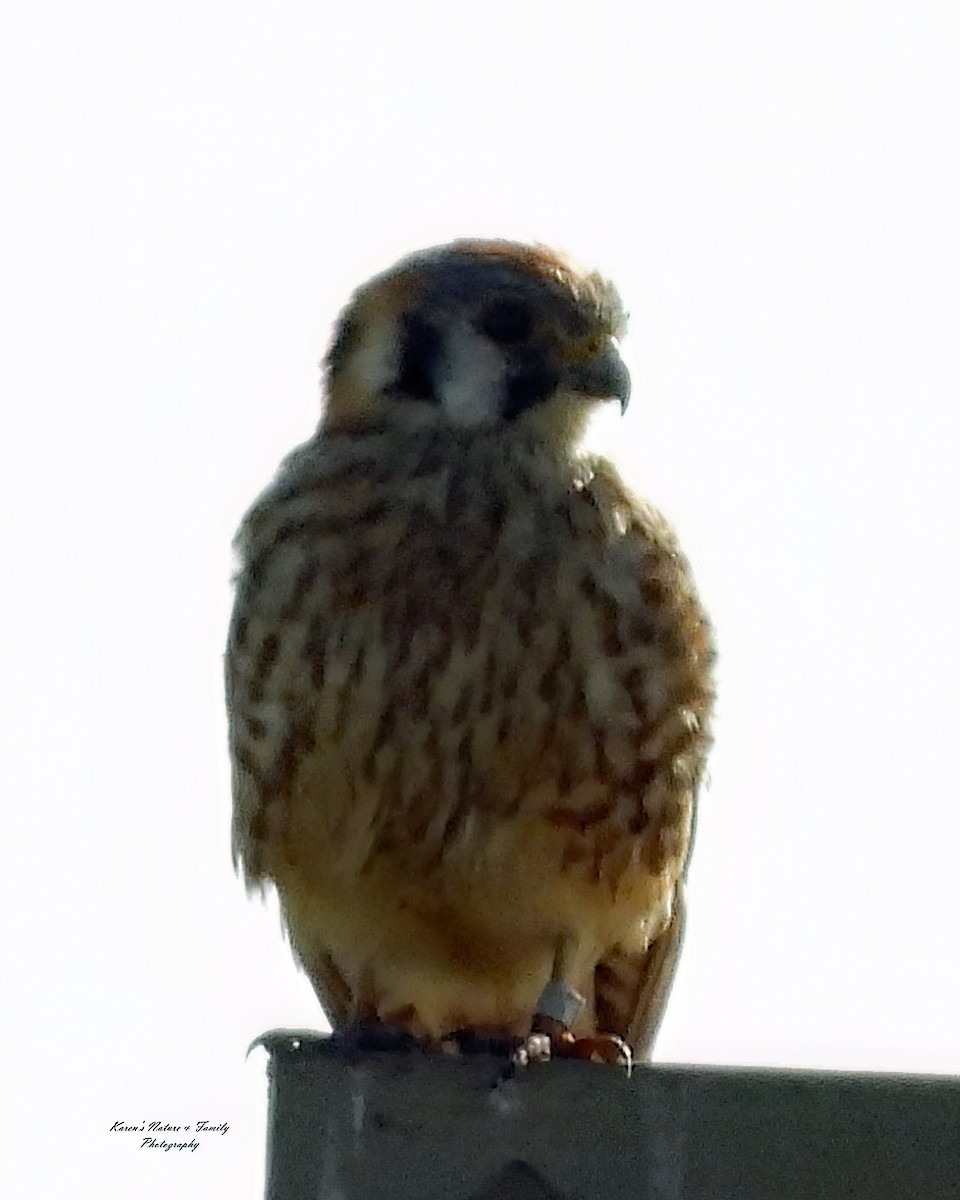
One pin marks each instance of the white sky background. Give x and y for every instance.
(189, 193)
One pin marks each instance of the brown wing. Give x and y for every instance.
(631, 990)
(336, 998)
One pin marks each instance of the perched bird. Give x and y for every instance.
(468, 676)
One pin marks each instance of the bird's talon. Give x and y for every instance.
(602, 1048)
(538, 1048)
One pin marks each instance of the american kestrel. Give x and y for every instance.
(468, 674)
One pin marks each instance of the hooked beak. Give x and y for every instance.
(603, 376)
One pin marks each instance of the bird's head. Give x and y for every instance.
(478, 333)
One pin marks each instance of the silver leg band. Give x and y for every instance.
(561, 1002)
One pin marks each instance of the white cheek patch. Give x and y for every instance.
(471, 380)
(374, 363)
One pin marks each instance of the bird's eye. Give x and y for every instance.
(507, 321)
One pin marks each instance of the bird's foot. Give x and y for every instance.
(514, 1051)
(599, 1047)
(475, 1041)
(372, 1034)
(535, 1047)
